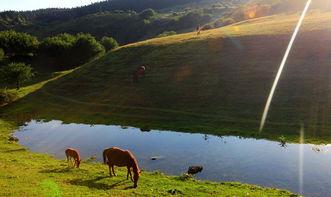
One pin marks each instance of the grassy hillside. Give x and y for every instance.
(23, 173)
(216, 83)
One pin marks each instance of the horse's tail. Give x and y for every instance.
(104, 157)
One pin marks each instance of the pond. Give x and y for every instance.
(252, 161)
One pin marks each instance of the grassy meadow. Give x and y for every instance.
(23, 173)
(215, 83)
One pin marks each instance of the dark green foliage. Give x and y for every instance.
(228, 21)
(56, 51)
(208, 26)
(66, 51)
(166, 33)
(85, 48)
(17, 44)
(2, 54)
(148, 13)
(192, 19)
(6, 96)
(16, 73)
(57, 45)
(118, 18)
(108, 43)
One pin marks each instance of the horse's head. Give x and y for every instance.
(78, 163)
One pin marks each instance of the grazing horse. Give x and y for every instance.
(115, 156)
(73, 154)
(140, 71)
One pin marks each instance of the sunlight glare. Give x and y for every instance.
(280, 70)
(301, 154)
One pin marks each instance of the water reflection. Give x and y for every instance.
(252, 161)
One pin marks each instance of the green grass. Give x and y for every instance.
(200, 84)
(23, 173)
(215, 83)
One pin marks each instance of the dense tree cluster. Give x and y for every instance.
(66, 51)
(17, 44)
(126, 20)
(62, 14)
(60, 52)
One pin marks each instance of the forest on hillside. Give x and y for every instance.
(125, 20)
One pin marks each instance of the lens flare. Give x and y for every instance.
(302, 136)
(251, 14)
(281, 67)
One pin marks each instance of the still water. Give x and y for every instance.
(260, 162)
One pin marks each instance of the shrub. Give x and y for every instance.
(208, 26)
(6, 96)
(85, 48)
(148, 13)
(228, 21)
(109, 43)
(166, 33)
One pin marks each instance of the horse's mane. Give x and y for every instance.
(134, 161)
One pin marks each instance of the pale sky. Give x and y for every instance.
(19, 5)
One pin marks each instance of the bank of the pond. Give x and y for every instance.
(23, 173)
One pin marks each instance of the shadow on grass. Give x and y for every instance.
(61, 170)
(57, 170)
(14, 150)
(94, 185)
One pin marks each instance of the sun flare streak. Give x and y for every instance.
(301, 154)
(281, 67)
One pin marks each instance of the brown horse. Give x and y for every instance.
(140, 71)
(73, 154)
(115, 156)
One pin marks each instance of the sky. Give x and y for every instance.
(19, 5)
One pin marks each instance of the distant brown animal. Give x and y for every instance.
(73, 154)
(140, 71)
(198, 30)
(115, 156)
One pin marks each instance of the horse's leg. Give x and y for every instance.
(68, 160)
(110, 170)
(72, 161)
(112, 167)
(129, 172)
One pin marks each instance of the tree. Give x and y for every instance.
(148, 13)
(16, 73)
(85, 48)
(109, 43)
(18, 44)
(66, 51)
(56, 51)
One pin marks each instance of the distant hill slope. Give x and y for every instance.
(260, 8)
(217, 82)
(42, 22)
